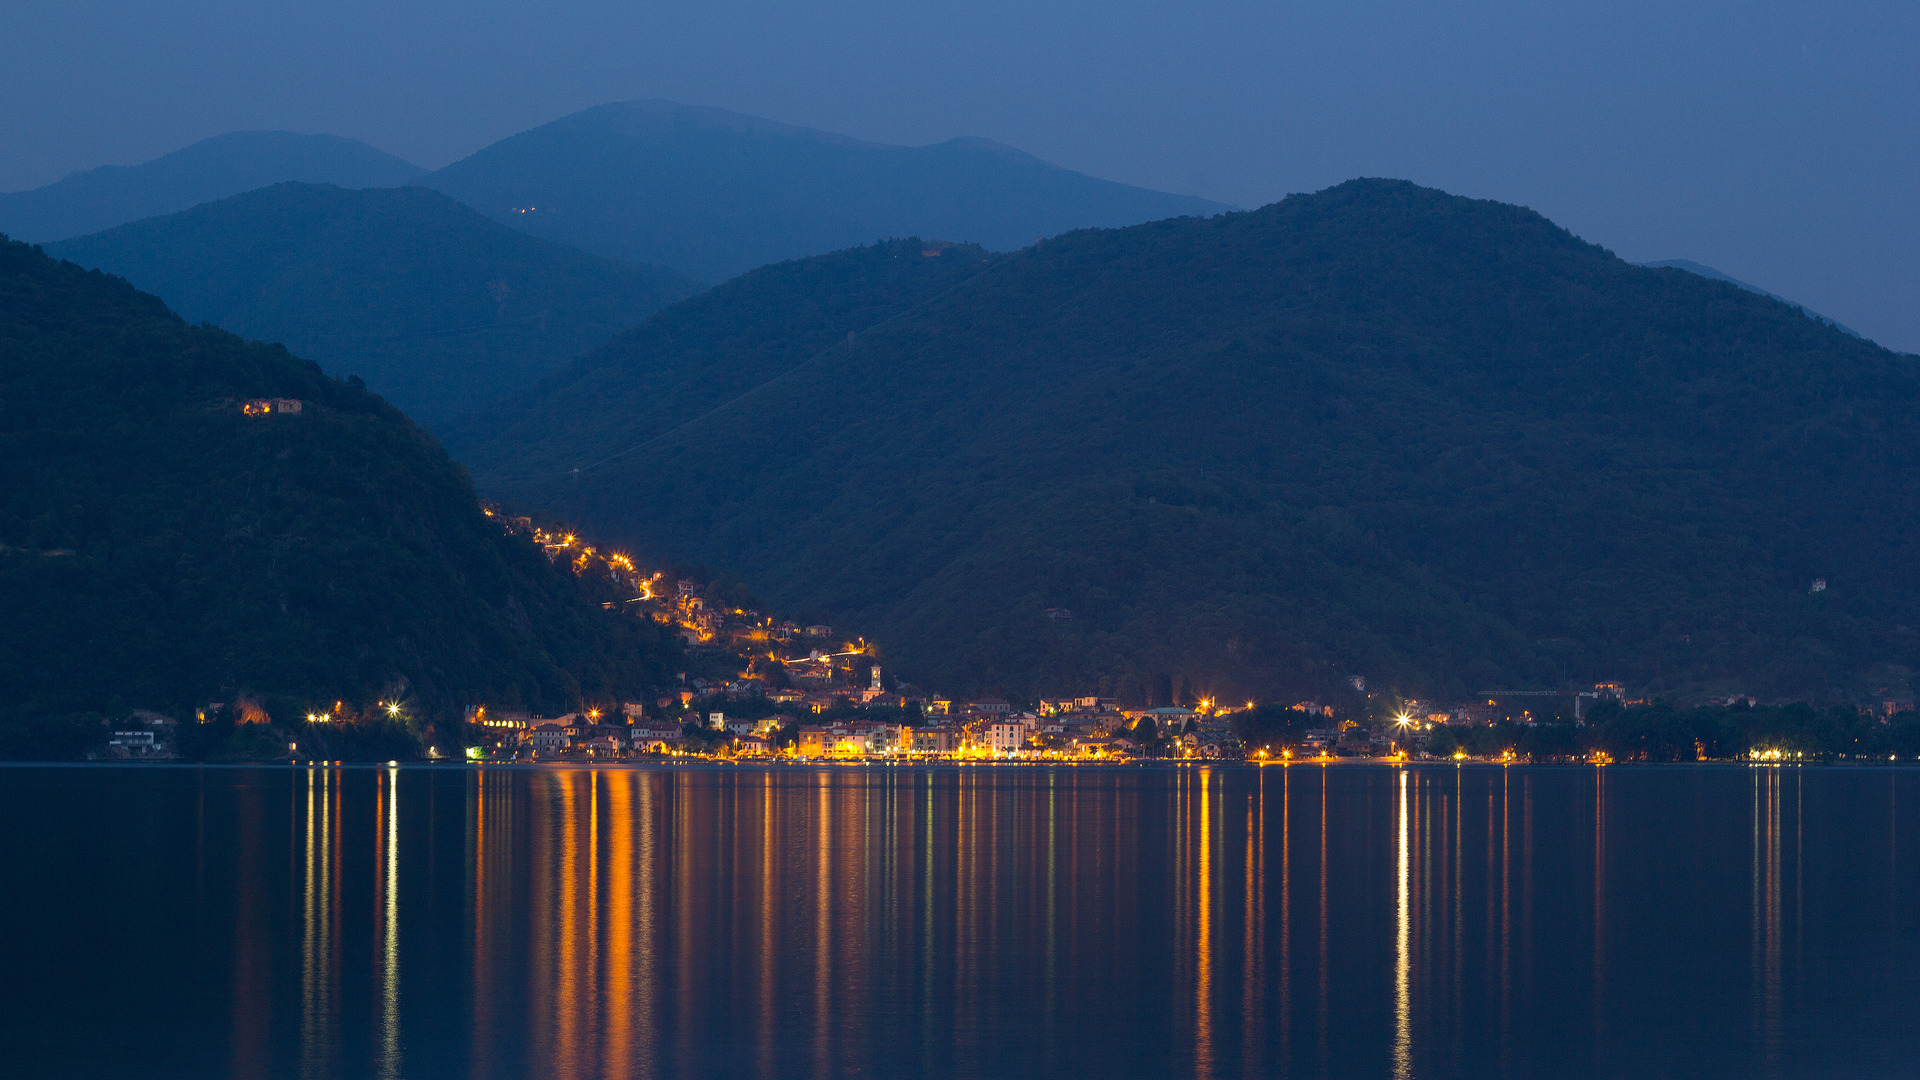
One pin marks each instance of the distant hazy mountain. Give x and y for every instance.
(1377, 430)
(436, 307)
(1705, 271)
(713, 193)
(211, 169)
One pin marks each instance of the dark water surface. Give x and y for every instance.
(971, 922)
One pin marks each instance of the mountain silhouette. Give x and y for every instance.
(87, 202)
(1378, 430)
(438, 308)
(713, 193)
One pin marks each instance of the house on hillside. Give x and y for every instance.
(549, 739)
(1209, 744)
(508, 719)
(135, 744)
(599, 746)
(1167, 720)
(656, 737)
(813, 671)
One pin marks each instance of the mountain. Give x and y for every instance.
(87, 202)
(438, 308)
(713, 193)
(1705, 271)
(1376, 431)
(160, 548)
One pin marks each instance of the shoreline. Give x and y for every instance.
(771, 765)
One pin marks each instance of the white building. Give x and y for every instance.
(1006, 736)
(134, 744)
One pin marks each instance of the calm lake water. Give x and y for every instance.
(970, 922)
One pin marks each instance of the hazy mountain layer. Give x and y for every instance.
(1378, 430)
(1709, 272)
(215, 168)
(713, 193)
(159, 548)
(436, 307)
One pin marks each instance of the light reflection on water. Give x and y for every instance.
(976, 921)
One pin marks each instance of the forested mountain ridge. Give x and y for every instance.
(701, 353)
(438, 308)
(160, 548)
(1709, 272)
(1377, 430)
(96, 199)
(713, 193)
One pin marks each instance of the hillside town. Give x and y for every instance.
(764, 687)
(761, 687)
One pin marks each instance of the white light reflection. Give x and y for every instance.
(390, 934)
(1403, 944)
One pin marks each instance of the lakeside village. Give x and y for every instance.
(773, 688)
(767, 688)
(763, 688)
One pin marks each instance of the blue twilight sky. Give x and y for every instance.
(1776, 140)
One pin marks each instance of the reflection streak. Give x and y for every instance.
(1203, 989)
(317, 992)
(389, 891)
(1403, 940)
(636, 931)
